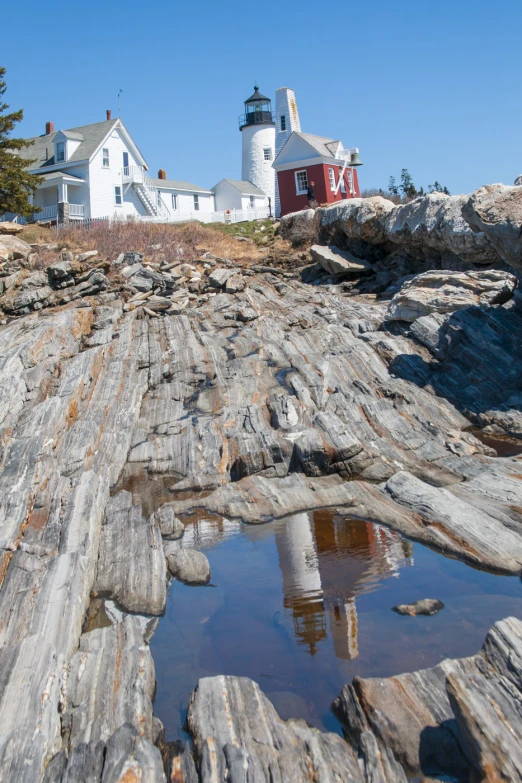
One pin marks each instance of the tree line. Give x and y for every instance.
(407, 189)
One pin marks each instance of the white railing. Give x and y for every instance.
(225, 216)
(76, 210)
(132, 174)
(138, 176)
(47, 213)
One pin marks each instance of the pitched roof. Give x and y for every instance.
(72, 135)
(59, 174)
(245, 188)
(42, 147)
(176, 184)
(326, 147)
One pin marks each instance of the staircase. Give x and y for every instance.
(146, 190)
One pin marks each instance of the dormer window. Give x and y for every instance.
(60, 151)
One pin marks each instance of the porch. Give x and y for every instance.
(52, 196)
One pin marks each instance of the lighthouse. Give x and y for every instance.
(257, 127)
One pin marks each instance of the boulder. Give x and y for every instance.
(518, 180)
(219, 277)
(426, 606)
(338, 262)
(358, 218)
(145, 279)
(10, 228)
(187, 565)
(86, 256)
(436, 222)
(170, 526)
(447, 291)
(496, 210)
(13, 248)
(235, 283)
(61, 270)
(300, 227)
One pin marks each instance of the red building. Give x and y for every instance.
(305, 159)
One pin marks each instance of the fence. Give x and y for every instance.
(226, 216)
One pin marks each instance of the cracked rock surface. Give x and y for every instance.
(271, 396)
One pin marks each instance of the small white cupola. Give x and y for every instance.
(65, 145)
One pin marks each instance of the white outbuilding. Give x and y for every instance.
(240, 195)
(183, 199)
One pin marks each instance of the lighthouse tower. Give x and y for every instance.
(287, 121)
(258, 130)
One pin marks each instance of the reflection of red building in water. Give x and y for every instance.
(326, 561)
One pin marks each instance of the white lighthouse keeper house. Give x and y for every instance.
(258, 130)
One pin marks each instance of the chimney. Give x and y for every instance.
(161, 174)
(49, 128)
(108, 114)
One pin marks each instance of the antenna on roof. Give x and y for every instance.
(119, 93)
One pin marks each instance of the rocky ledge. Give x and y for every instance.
(461, 720)
(262, 393)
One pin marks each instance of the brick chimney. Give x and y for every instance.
(49, 128)
(108, 114)
(161, 174)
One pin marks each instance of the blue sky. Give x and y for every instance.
(433, 87)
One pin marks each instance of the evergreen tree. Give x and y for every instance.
(392, 186)
(438, 188)
(16, 184)
(407, 187)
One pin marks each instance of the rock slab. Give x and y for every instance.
(238, 736)
(447, 292)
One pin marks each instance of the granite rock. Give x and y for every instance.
(426, 606)
(446, 292)
(496, 212)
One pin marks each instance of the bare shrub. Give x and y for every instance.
(301, 229)
(158, 241)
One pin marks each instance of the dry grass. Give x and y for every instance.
(185, 240)
(32, 234)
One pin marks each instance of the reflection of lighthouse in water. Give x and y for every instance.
(326, 561)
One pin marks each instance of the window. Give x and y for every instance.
(343, 186)
(174, 201)
(267, 152)
(251, 202)
(117, 195)
(196, 202)
(105, 155)
(60, 150)
(283, 122)
(331, 177)
(301, 182)
(350, 181)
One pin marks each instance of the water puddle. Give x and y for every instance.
(149, 489)
(504, 445)
(303, 604)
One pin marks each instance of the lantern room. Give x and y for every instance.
(258, 110)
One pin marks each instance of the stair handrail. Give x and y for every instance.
(155, 195)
